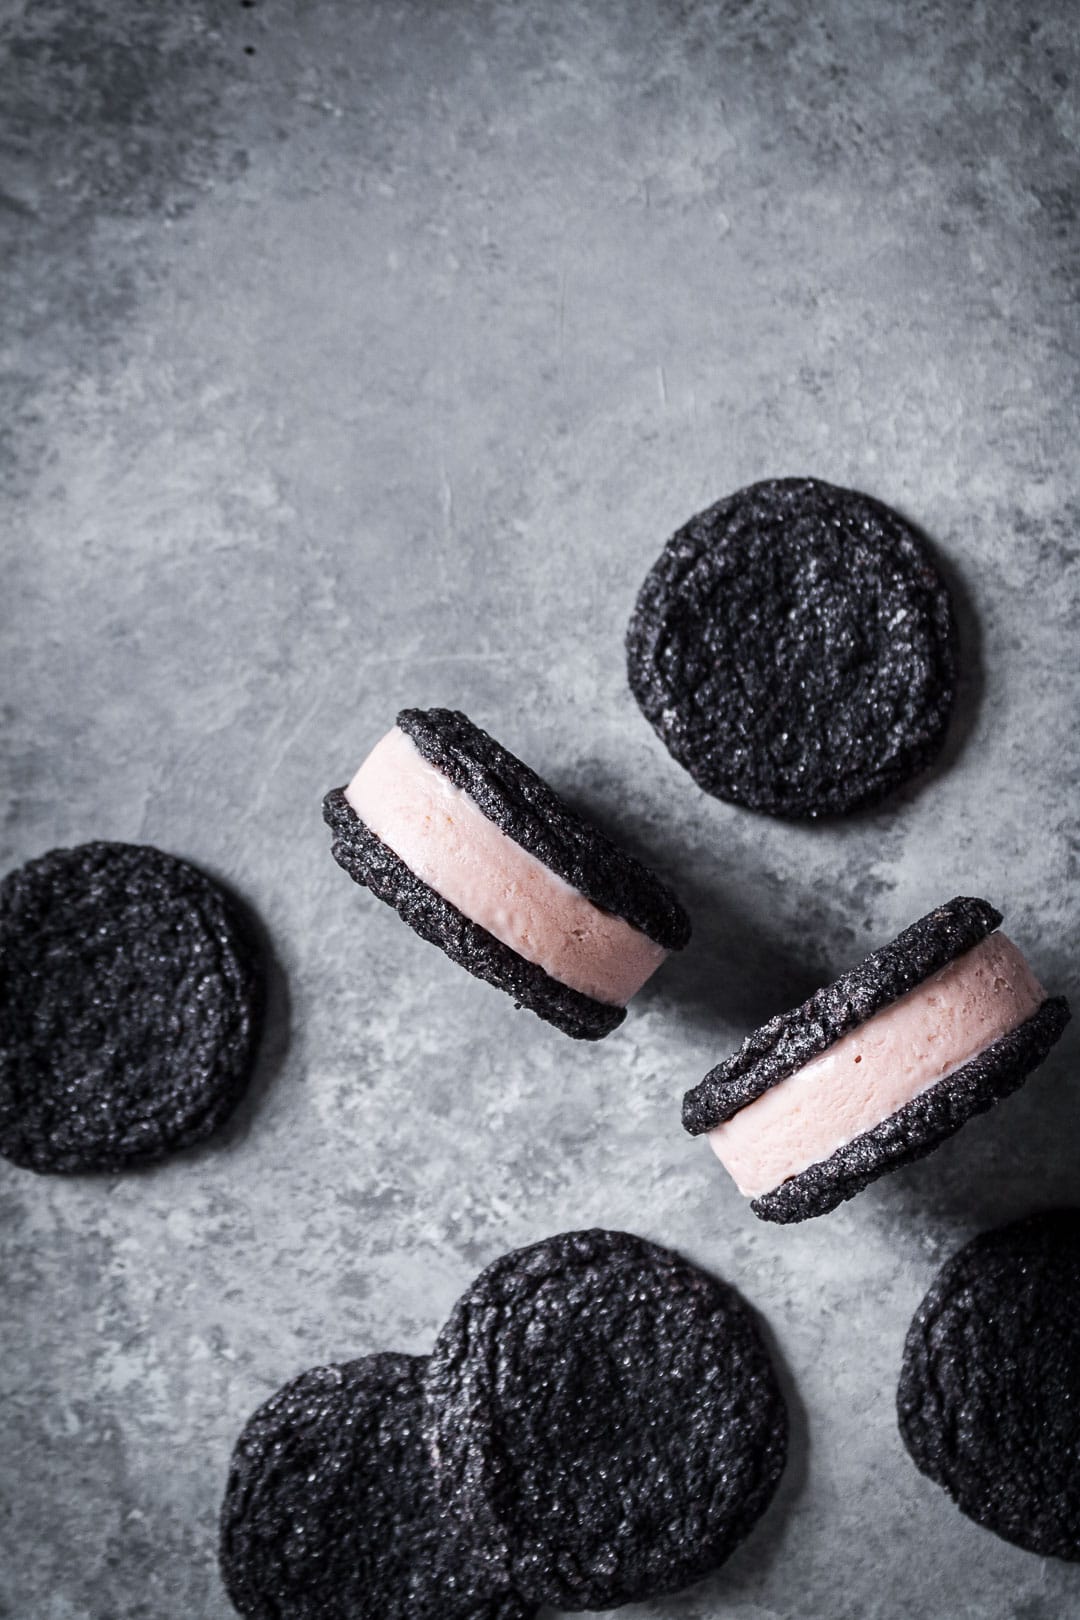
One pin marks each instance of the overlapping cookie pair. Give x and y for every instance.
(598, 1422)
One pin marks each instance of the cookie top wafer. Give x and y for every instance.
(129, 1001)
(605, 1420)
(329, 1512)
(794, 648)
(989, 1394)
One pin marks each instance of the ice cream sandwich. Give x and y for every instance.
(878, 1068)
(481, 857)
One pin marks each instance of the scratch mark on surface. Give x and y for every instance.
(661, 383)
(445, 552)
(446, 501)
(385, 659)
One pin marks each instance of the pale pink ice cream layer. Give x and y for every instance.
(445, 839)
(873, 1071)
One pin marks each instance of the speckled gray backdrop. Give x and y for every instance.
(365, 354)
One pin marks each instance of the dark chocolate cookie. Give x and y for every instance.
(989, 1395)
(130, 995)
(605, 1420)
(329, 1512)
(794, 649)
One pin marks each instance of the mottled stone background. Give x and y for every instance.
(360, 355)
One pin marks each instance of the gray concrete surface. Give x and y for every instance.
(365, 354)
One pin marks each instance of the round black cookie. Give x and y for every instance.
(605, 1419)
(530, 812)
(329, 1512)
(794, 648)
(791, 1039)
(989, 1396)
(130, 994)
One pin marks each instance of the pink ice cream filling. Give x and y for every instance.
(445, 839)
(874, 1070)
